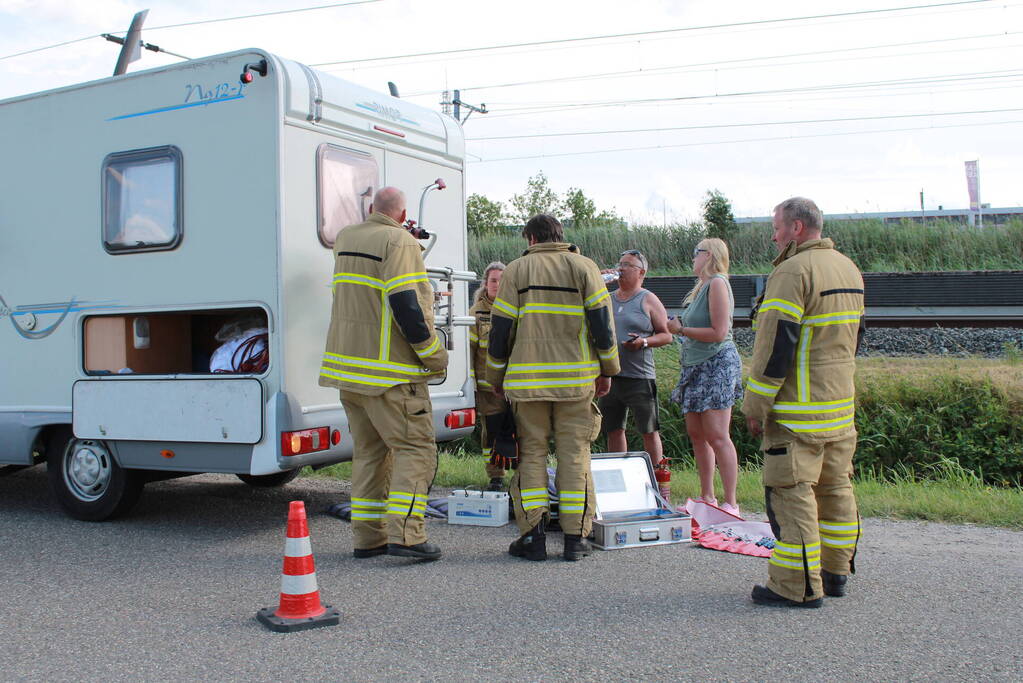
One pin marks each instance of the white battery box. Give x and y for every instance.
(478, 508)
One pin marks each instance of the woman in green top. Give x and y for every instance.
(711, 378)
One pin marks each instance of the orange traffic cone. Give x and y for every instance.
(300, 606)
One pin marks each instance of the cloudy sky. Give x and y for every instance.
(643, 105)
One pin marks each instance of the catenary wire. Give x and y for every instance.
(758, 22)
(727, 62)
(194, 23)
(747, 140)
(742, 125)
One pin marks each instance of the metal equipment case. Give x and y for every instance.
(629, 513)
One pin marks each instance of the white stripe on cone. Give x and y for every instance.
(298, 585)
(297, 547)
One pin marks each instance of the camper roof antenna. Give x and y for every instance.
(393, 89)
(131, 46)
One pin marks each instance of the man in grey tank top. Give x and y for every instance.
(641, 324)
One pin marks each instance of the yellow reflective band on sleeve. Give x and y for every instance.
(484, 343)
(818, 425)
(596, 298)
(485, 384)
(818, 407)
(549, 383)
(473, 337)
(370, 363)
(609, 354)
(356, 279)
(369, 380)
(506, 308)
(840, 318)
(803, 364)
(385, 327)
(401, 280)
(551, 309)
(494, 363)
(429, 350)
(551, 367)
(783, 306)
(761, 388)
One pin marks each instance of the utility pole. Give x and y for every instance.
(457, 104)
(923, 214)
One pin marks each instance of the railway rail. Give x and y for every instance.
(917, 299)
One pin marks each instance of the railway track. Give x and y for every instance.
(932, 299)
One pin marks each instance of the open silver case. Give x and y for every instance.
(630, 510)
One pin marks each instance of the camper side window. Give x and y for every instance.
(142, 200)
(346, 182)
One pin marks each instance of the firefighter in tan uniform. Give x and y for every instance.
(381, 350)
(552, 346)
(490, 407)
(800, 397)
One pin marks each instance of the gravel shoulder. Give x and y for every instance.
(171, 591)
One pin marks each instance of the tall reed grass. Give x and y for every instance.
(873, 245)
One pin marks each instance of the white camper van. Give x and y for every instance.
(165, 269)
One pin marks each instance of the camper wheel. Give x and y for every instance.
(270, 480)
(85, 478)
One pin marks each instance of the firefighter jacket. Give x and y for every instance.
(381, 325)
(808, 325)
(479, 339)
(552, 331)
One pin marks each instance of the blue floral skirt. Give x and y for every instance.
(714, 384)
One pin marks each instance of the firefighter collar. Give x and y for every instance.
(792, 248)
(383, 218)
(551, 246)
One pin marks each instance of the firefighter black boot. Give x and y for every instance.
(532, 545)
(576, 548)
(834, 584)
(496, 484)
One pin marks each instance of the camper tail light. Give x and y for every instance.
(457, 419)
(305, 441)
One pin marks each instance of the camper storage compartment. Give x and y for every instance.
(218, 341)
(629, 511)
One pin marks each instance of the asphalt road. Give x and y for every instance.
(171, 591)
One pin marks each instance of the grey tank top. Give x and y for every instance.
(630, 317)
(697, 314)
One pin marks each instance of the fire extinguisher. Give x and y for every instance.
(663, 476)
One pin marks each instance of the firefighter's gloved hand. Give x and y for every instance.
(505, 444)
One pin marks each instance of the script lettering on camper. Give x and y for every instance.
(199, 92)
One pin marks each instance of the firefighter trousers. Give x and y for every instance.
(574, 425)
(489, 403)
(812, 511)
(393, 466)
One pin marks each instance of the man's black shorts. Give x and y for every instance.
(634, 394)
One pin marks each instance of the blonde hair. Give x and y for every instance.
(717, 263)
(481, 291)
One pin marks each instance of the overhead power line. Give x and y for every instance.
(726, 62)
(195, 23)
(740, 125)
(747, 140)
(549, 107)
(758, 22)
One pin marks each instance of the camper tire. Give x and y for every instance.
(85, 478)
(265, 481)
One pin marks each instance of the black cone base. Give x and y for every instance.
(266, 616)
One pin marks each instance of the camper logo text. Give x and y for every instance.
(196, 95)
(382, 110)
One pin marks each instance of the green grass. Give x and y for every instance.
(940, 439)
(951, 495)
(873, 245)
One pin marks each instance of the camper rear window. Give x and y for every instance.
(142, 200)
(347, 180)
